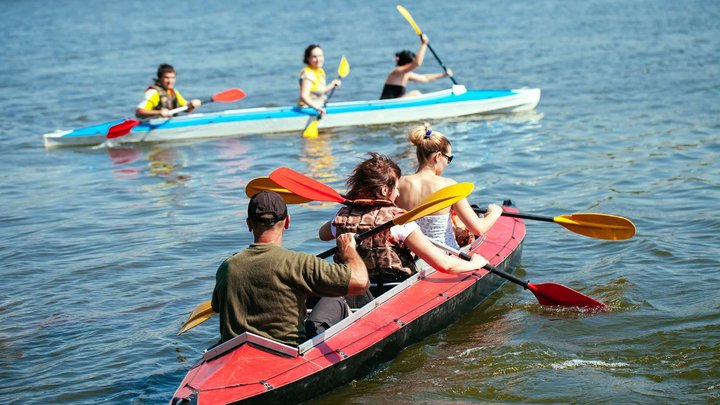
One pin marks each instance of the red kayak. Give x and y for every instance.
(255, 369)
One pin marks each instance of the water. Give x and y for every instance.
(105, 252)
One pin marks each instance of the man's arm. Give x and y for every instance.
(347, 249)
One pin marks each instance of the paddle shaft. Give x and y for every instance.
(491, 269)
(440, 62)
(359, 237)
(187, 106)
(329, 96)
(515, 215)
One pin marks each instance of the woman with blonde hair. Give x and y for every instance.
(388, 255)
(434, 154)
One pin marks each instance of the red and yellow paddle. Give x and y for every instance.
(124, 128)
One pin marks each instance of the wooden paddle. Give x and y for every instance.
(438, 200)
(124, 128)
(311, 131)
(418, 31)
(546, 293)
(598, 226)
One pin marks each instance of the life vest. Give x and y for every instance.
(168, 99)
(317, 78)
(384, 259)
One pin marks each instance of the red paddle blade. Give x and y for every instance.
(122, 129)
(229, 96)
(305, 186)
(557, 294)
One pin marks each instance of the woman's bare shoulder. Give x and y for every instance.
(445, 181)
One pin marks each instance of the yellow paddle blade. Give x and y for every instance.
(344, 68)
(438, 200)
(312, 130)
(265, 183)
(409, 19)
(200, 314)
(600, 226)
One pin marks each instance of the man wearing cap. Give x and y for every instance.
(263, 288)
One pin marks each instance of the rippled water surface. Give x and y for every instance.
(105, 251)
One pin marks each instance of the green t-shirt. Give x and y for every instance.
(263, 290)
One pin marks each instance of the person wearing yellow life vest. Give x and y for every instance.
(312, 80)
(161, 96)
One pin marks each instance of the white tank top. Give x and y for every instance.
(438, 228)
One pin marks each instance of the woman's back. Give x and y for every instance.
(415, 188)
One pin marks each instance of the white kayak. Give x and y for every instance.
(454, 102)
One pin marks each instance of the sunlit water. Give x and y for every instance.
(105, 251)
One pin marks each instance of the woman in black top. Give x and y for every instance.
(407, 61)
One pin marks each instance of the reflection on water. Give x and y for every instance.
(125, 157)
(322, 165)
(317, 154)
(236, 160)
(163, 161)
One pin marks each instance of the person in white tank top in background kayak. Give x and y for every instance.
(312, 79)
(434, 154)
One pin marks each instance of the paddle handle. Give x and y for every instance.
(359, 237)
(479, 210)
(332, 91)
(491, 269)
(439, 61)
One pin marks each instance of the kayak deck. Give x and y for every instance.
(442, 104)
(255, 369)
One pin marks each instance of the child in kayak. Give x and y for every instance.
(407, 61)
(312, 80)
(372, 187)
(434, 154)
(161, 96)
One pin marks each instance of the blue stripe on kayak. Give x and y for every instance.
(100, 129)
(295, 112)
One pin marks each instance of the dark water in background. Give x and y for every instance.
(105, 252)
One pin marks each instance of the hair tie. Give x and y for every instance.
(428, 133)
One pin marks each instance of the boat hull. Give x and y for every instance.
(443, 104)
(253, 372)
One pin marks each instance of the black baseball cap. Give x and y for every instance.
(264, 204)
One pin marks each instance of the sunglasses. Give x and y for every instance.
(448, 157)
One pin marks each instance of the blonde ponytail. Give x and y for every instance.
(427, 142)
